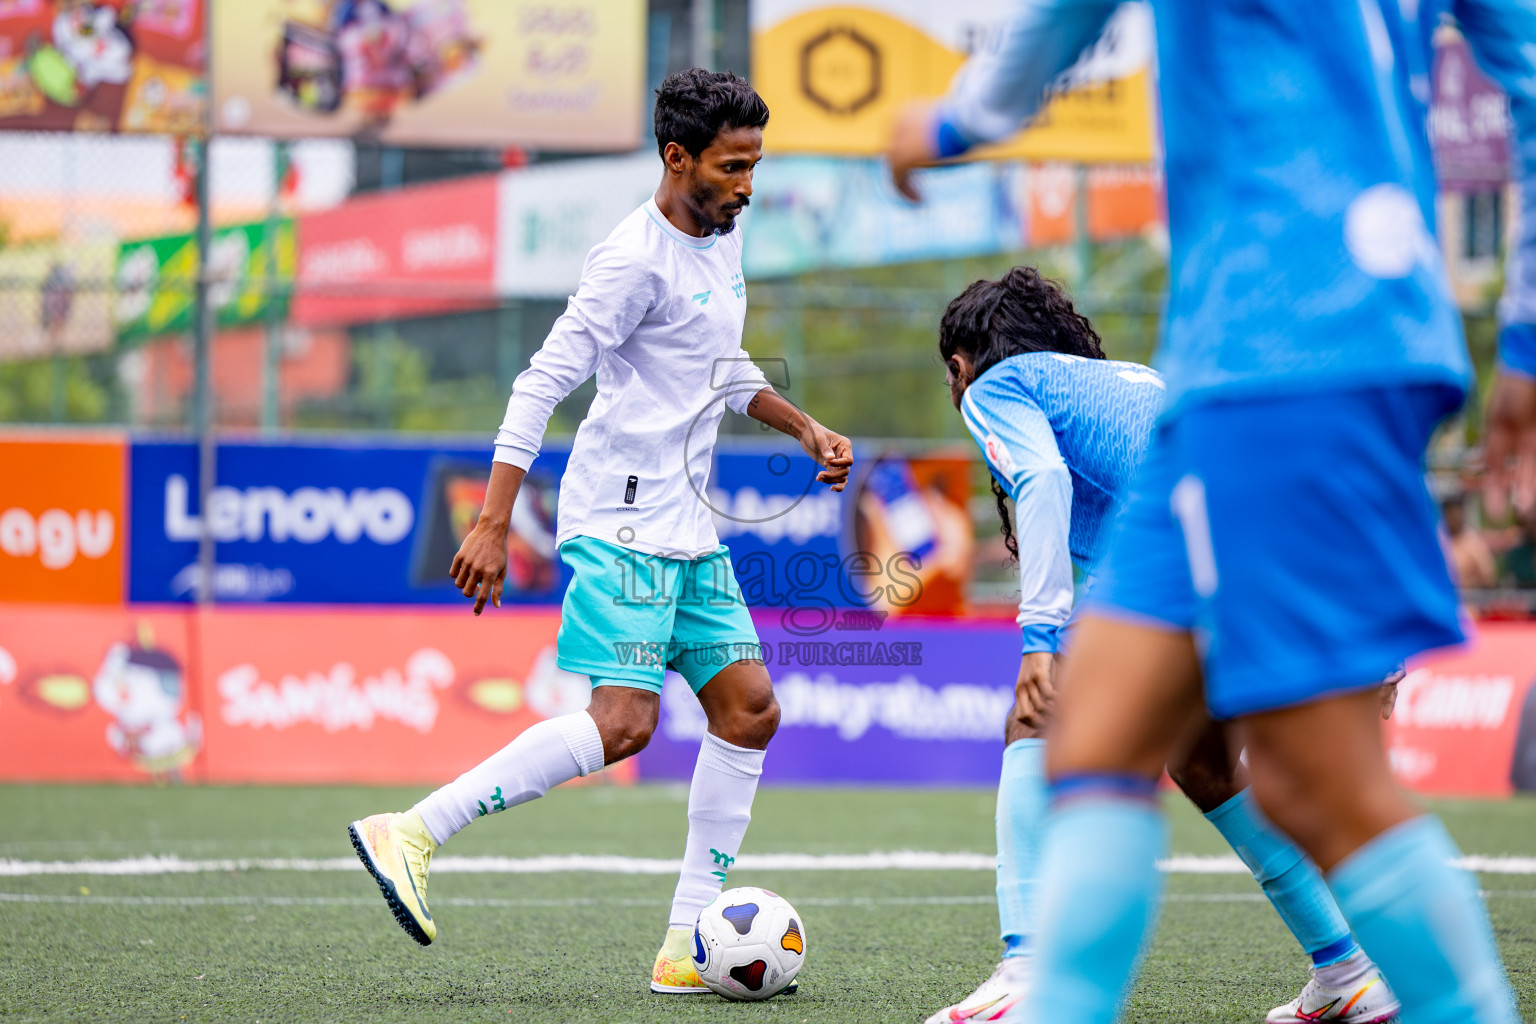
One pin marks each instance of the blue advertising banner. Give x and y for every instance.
(334, 522)
(869, 700)
(371, 522)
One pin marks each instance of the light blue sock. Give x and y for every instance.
(1099, 893)
(1425, 925)
(1290, 880)
(1021, 807)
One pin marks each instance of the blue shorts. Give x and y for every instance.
(629, 616)
(1295, 537)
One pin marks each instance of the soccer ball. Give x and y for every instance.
(749, 944)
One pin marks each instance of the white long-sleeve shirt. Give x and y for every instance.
(658, 318)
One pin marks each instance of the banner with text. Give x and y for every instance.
(835, 76)
(557, 74)
(807, 214)
(264, 696)
(250, 266)
(1465, 720)
(405, 252)
(62, 528)
(867, 700)
(350, 523)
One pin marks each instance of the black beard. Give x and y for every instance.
(698, 198)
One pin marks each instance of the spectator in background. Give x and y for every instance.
(1520, 560)
(1471, 559)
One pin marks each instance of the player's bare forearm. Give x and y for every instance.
(831, 450)
(1034, 693)
(480, 568)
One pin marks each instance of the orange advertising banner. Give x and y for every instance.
(1465, 720)
(316, 695)
(62, 528)
(97, 694)
(1122, 201)
(376, 695)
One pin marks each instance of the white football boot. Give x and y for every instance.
(993, 997)
(1353, 992)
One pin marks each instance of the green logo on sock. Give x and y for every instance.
(496, 801)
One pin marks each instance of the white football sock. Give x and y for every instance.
(719, 809)
(1346, 972)
(544, 756)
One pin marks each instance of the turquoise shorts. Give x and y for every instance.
(629, 616)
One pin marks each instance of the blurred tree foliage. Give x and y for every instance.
(75, 389)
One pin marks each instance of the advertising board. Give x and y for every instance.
(405, 252)
(558, 74)
(105, 66)
(345, 522)
(868, 700)
(62, 526)
(835, 75)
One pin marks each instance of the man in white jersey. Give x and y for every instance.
(658, 318)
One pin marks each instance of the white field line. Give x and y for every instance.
(903, 860)
(871, 903)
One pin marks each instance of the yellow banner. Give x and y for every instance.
(834, 78)
(564, 74)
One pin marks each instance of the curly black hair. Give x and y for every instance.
(695, 105)
(1024, 312)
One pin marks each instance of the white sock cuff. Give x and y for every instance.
(583, 740)
(729, 759)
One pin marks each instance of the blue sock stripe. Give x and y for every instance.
(1084, 784)
(1332, 953)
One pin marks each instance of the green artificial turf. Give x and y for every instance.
(285, 946)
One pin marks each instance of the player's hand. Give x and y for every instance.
(831, 450)
(1034, 696)
(1509, 445)
(479, 570)
(911, 147)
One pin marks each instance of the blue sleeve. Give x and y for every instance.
(995, 93)
(1502, 35)
(1019, 446)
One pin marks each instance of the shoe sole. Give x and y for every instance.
(678, 990)
(402, 913)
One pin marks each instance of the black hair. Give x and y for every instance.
(1024, 312)
(695, 105)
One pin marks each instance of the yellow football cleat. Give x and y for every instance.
(396, 849)
(674, 972)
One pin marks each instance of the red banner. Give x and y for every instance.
(1465, 721)
(383, 696)
(407, 252)
(316, 696)
(96, 694)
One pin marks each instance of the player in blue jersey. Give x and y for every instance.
(1278, 553)
(1062, 430)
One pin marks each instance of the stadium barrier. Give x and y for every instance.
(324, 656)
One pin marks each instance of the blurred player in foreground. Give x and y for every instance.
(1278, 553)
(1062, 430)
(658, 317)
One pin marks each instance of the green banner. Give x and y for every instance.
(155, 278)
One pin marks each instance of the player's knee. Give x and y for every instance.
(625, 739)
(625, 718)
(752, 721)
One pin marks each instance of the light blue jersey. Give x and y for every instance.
(1063, 435)
(1300, 184)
